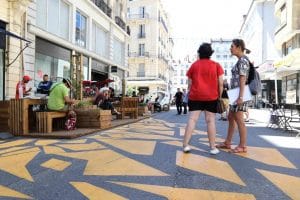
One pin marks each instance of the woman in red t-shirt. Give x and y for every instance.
(205, 87)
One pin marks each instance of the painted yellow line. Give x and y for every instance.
(7, 192)
(55, 164)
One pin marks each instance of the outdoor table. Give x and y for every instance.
(21, 118)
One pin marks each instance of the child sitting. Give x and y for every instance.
(71, 121)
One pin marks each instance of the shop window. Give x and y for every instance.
(119, 52)
(81, 29)
(54, 16)
(100, 40)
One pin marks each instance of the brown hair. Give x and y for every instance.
(240, 43)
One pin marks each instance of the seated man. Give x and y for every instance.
(59, 96)
(102, 100)
(44, 86)
(21, 87)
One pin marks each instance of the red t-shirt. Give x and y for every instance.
(17, 89)
(204, 74)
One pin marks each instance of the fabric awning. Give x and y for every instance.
(290, 60)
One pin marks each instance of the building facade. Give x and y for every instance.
(61, 30)
(179, 78)
(223, 55)
(12, 21)
(150, 46)
(287, 40)
(258, 31)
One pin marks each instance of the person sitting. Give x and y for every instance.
(102, 100)
(59, 96)
(45, 85)
(21, 87)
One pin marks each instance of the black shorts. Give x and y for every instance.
(210, 106)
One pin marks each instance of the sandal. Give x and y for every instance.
(224, 145)
(239, 149)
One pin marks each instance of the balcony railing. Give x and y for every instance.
(139, 54)
(139, 16)
(120, 22)
(103, 6)
(140, 74)
(142, 35)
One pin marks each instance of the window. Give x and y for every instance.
(141, 49)
(142, 33)
(81, 29)
(100, 40)
(283, 15)
(85, 68)
(141, 70)
(54, 17)
(181, 81)
(182, 73)
(142, 12)
(119, 52)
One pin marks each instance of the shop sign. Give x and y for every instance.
(291, 96)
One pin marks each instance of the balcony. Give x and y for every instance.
(142, 35)
(103, 6)
(140, 74)
(120, 22)
(139, 54)
(139, 16)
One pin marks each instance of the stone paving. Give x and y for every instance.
(144, 160)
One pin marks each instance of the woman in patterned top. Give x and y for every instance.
(240, 73)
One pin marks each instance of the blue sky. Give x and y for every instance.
(195, 21)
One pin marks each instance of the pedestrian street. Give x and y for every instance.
(144, 160)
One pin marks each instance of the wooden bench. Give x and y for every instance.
(44, 120)
(129, 105)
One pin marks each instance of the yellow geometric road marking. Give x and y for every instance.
(130, 135)
(56, 164)
(290, 185)
(76, 141)
(45, 142)
(197, 132)
(15, 143)
(218, 140)
(82, 147)
(95, 193)
(179, 144)
(7, 192)
(170, 133)
(12, 149)
(209, 166)
(21, 151)
(268, 156)
(184, 193)
(138, 147)
(16, 164)
(158, 127)
(107, 162)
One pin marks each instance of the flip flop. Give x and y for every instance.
(239, 149)
(223, 145)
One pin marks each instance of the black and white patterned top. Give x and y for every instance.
(241, 68)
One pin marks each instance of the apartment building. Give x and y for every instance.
(258, 30)
(287, 40)
(60, 31)
(223, 55)
(179, 78)
(150, 46)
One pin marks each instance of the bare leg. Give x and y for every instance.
(242, 128)
(193, 118)
(211, 128)
(231, 127)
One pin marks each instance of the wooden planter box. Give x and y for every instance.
(4, 116)
(142, 110)
(93, 118)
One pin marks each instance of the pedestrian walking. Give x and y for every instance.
(225, 99)
(185, 101)
(178, 100)
(240, 73)
(205, 86)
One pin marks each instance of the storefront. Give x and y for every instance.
(2, 55)
(99, 70)
(51, 59)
